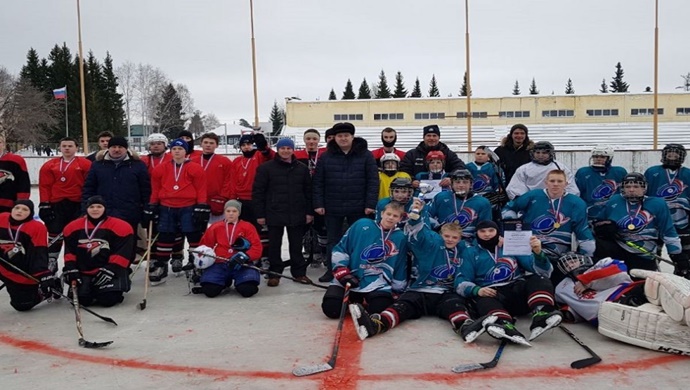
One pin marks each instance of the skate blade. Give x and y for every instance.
(550, 324)
(311, 370)
(158, 283)
(356, 314)
(497, 333)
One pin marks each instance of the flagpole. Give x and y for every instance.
(66, 115)
(256, 99)
(84, 130)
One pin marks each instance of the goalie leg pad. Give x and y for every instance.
(671, 292)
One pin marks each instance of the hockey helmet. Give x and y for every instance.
(573, 264)
(401, 190)
(388, 158)
(601, 151)
(204, 257)
(438, 156)
(157, 137)
(545, 147)
(673, 156)
(241, 244)
(459, 175)
(632, 194)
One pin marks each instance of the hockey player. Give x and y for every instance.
(531, 175)
(600, 180)
(436, 258)
(671, 182)
(633, 218)
(218, 174)
(23, 244)
(188, 137)
(14, 178)
(98, 249)
(554, 215)
(371, 257)
(238, 241)
(505, 286)
(401, 192)
(157, 145)
(103, 139)
(488, 181)
(178, 199)
(388, 138)
(460, 206)
(60, 184)
(311, 153)
(435, 175)
(390, 163)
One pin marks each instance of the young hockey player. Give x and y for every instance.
(157, 145)
(371, 257)
(401, 192)
(532, 175)
(506, 286)
(461, 205)
(488, 181)
(23, 244)
(389, 172)
(98, 250)
(103, 139)
(60, 184)
(434, 175)
(599, 181)
(218, 174)
(14, 178)
(388, 138)
(237, 241)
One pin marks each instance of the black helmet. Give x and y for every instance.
(674, 163)
(462, 174)
(634, 178)
(402, 183)
(543, 146)
(573, 264)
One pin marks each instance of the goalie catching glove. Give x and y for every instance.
(204, 259)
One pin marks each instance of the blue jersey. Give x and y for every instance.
(378, 266)
(448, 208)
(597, 187)
(486, 179)
(434, 266)
(430, 175)
(642, 225)
(553, 221)
(672, 186)
(481, 268)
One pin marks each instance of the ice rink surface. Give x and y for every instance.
(229, 342)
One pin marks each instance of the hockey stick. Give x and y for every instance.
(134, 271)
(261, 270)
(82, 342)
(582, 363)
(481, 366)
(142, 304)
(317, 368)
(646, 252)
(21, 271)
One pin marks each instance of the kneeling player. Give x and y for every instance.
(24, 253)
(372, 258)
(238, 241)
(98, 250)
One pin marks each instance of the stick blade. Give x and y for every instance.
(93, 344)
(584, 363)
(459, 369)
(311, 370)
(142, 305)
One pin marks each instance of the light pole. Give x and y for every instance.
(656, 74)
(467, 66)
(226, 137)
(84, 129)
(256, 99)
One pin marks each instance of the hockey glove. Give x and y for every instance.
(605, 230)
(497, 198)
(72, 275)
(47, 284)
(260, 141)
(46, 212)
(217, 204)
(200, 216)
(237, 260)
(344, 277)
(150, 214)
(104, 276)
(681, 265)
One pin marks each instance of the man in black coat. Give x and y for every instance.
(282, 196)
(514, 151)
(414, 160)
(346, 185)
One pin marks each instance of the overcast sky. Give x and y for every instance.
(306, 47)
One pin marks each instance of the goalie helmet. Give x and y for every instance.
(573, 264)
(543, 146)
(459, 175)
(634, 195)
(601, 151)
(390, 158)
(204, 259)
(673, 156)
(157, 137)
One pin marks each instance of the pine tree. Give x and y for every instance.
(113, 103)
(463, 87)
(276, 119)
(331, 95)
(196, 124)
(364, 91)
(35, 71)
(382, 89)
(617, 83)
(417, 90)
(533, 88)
(93, 86)
(433, 87)
(61, 72)
(400, 91)
(603, 88)
(516, 88)
(169, 116)
(349, 92)
(569, 90)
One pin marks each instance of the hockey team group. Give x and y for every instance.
(401, 234)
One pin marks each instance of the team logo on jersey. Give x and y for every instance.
(481, 183)
(604, 190)
(639, 221)
(10, 248)
(377, 253)
(546, 224)
(5, 175)
(94, 246)
(444, 274)
(503, 270)
(464, 217)
(671, 191)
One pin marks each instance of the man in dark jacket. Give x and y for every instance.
(282, 196)
(413, 162)
(346, 185)
(514, 151)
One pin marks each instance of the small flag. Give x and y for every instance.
(60, 93)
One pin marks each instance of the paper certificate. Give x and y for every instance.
(437, 188)
(516, 242)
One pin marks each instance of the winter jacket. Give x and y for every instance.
(346, 184)
(415, 159)
(511, 158)
(282, 192)
(126, 187)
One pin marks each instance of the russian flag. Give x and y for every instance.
(60, 93)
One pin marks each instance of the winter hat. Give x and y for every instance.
(285, 142)
(518, 126)
(28, 203)
(491, 243)
(185, 133)
(246, 139)
(329, 133)
(486, 224)
(432, 129)
(180, 142)
(118, 141)
(96, 199)
(234, 203)
(343, 128)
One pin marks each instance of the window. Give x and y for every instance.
(389, 117)
(683, 111)
(603, 112)
(513, 114)
(557, 113)
(475, 114)
(645, 111)
(428, 115)
(348, 117)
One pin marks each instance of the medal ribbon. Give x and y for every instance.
(230, 235)
(632, 218)
(14, 236)
(208, 163)
(177, 173)
(93, 232)
(62, 171)
(384, 239)
(556, 211)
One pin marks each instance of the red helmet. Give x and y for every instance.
(435, 155)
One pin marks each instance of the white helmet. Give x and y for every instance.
(205, 258)
(601, 150)
(157, 137)
(390, 157)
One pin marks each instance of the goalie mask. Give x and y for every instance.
(601, 157)
(634, 186)
(673, 156)
(390, 163)
(461, 182)
(204, 259)
(573, 264)
(435, 161)
(542, 153)
(401, 190)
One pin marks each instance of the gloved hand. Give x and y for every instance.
(344, 276)
(497, 198)
(150, 214)
(47, 284)
(606, 229)
(217, 204)
(260, 141)
(71, 275)
(238, 259)
(681, 265)
(46, 212)
(200, 216)
(104, 276)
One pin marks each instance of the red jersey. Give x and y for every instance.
(89, 247)
(243, 173)
(218, 179)
(152, 162)
(178, 186)
(58, 179)
(14, 180)
(221, 235)
(26, 247)
(309, 159)
(378, 153)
